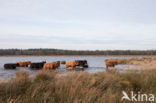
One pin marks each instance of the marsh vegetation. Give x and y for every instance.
(47, 87)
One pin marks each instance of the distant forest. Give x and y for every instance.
(74, 52)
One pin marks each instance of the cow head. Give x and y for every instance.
(17, 64)
(85, 61)
(77, 63)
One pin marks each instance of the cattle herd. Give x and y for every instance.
(47, 65)
(70, 65)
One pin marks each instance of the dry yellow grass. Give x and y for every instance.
(47, 87)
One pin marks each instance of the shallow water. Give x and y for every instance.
(96, 64)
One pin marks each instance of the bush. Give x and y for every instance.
(44, 76)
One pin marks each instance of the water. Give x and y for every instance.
(96, 63)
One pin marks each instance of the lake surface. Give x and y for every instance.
(96, 63)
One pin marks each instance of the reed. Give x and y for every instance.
(47, 87)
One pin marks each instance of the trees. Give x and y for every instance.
(74, 52)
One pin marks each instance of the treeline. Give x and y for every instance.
(74, 52)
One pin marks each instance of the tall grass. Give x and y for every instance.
(46, 87)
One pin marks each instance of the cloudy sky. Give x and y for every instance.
(78, 24)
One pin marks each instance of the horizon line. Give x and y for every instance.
(79, 49)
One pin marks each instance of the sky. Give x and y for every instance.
(78, 24)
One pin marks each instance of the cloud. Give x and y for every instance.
(100, 24)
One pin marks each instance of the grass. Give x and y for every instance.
(47, 87)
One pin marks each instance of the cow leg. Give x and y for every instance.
(54, 67)
(113, 66)
(73, 67)
(106, 68)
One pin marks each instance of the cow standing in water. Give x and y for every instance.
(11, 65)
(52, 65)
(38, 65)
(71, 64)
(82, 63)
(111, 63)
(24, 64)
